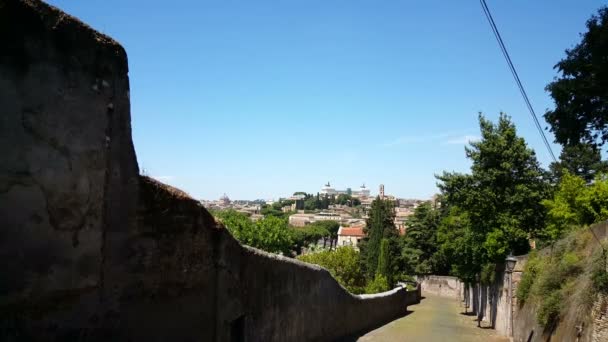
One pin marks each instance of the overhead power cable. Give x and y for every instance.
(505, 53)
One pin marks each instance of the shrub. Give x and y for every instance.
(270, 233)
(550, 309)
(379, 284)
(569, 265)
(599, 276)
(550, 279)
(343, 264)
(527, 280)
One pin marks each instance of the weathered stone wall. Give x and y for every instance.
(491, 303)
(443, 286)
(247, 293)
(576, 324)
(68, 173)
(91, 251)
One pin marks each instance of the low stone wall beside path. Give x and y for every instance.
(443, 286)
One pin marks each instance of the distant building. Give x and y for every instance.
(366, 203)
(350, 236)
(327, 190)
(327, 216)
(401, 217)
(381, 192)
(301, 220)
(297, 197)
(362, 192)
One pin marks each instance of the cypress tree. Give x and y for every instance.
(380, 224)
(384, 268)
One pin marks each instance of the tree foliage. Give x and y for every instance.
(581, 160)
(384, 261)
(575, 203)
(270, 233)
(332, 227)
(308, 235)
(344, 265)
(581, 99)
(419, 245)
(502, 195)
(378, 284)
(460, 246)
(380, 224)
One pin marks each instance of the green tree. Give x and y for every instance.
(269, 234)
(343, 264)
(419, 244)
(380, 224)
(310, 203)
(576, 204)
(502, 195)
(377, 285)
(581, 100)
(308, 235)
(342, 199)
(384, 261)
(272, 235)
(332, 227)
(459, 245)
(238, 224)
(583, 160)
(275, 209)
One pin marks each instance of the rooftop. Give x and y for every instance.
(351, 231)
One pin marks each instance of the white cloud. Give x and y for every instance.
(453, 138)
(465, 139)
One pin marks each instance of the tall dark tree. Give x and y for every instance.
(420, 241)
(583, 160)
(380, 224)
(581, 91)
(384, 261)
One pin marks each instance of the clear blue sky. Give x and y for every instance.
(259, 99)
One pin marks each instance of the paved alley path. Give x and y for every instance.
(434, 319)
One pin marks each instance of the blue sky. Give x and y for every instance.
(258, 99)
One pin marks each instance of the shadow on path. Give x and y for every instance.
(355, 337)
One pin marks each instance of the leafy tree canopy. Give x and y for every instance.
(343, 264)
(575, 203)
(420, 242)
(581, 160)
(581, 99)
(380, 224)
(502, 195)
(270, 233)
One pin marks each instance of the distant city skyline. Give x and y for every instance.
(260, 98)
(373, 193)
